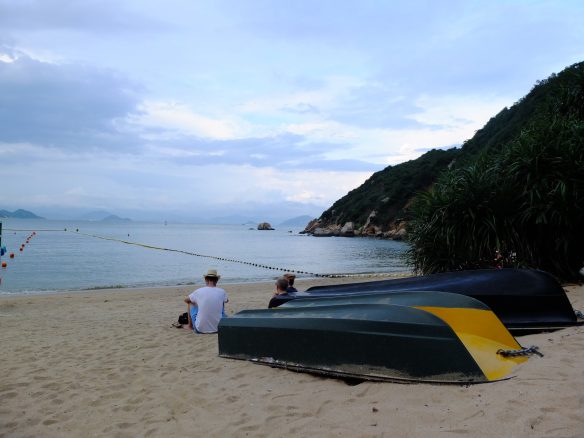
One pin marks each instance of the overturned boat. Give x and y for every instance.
(523, 299)
(414, 336)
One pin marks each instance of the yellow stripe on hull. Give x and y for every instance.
(483, 334)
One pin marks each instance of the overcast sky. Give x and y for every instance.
(254, 107)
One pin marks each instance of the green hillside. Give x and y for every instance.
(389, 192)
(520, 202)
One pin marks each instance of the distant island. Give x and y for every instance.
(102, 216)
(114, 218)
(19, 214)
(96, 216)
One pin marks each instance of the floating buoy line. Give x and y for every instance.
(223, 259)
(3, 249)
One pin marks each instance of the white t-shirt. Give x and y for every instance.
(210, 301)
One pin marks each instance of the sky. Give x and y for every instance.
(198, 109)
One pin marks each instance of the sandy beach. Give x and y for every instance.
(109, 363)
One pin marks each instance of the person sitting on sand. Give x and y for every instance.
(206, 305)
(290, 277)
(281, 289)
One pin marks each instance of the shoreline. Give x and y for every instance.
(108, 363)
(194, 284)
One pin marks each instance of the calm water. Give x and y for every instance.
(56, 260)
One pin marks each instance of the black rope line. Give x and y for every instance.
(243, 262)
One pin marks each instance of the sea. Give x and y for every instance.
(84, 255)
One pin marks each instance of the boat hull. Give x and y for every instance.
(375, 341)
(524, 300)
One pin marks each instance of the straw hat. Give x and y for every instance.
(289, 275)
(212, 273)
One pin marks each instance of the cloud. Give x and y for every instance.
(142, 184)
(343, 125)
(375, 105)
(84, 110)
(69, 106)
(174, 116)
(301, 108)
(452, 111)
(287, 152)
(89, 15)
(336, 23)
(253, 104)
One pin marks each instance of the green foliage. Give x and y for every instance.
(526, 200)
(388, 191)
(516, 187)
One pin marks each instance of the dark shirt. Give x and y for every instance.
(275, 301)
(291, 289)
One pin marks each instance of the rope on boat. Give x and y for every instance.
(521, 352)
(224, 259)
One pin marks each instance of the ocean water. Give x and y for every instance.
(82, 257)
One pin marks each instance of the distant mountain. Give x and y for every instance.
(19, 214)
(234, 219)
(97, 215)
(298, 221)
(114, 218)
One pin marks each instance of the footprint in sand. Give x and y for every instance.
(322, 406)
(8, 396)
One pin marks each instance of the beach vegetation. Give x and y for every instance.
(520, 201)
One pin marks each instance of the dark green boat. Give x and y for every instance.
(428, 336)
(410, 299)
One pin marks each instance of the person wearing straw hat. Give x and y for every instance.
(206, 305)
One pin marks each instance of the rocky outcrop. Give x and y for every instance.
(324, 232)
(318, 230)
(348, 230)
(311, 226)
(264, 226)
(395, 231)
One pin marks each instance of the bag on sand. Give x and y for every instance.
(183, 319)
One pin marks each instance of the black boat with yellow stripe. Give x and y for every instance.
(525, 300)
(411, 336)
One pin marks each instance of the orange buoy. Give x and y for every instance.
(11, 255)
(4, 264)
(21, 248)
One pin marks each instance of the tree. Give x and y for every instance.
(526, 202)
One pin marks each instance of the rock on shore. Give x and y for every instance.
(396, 231)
